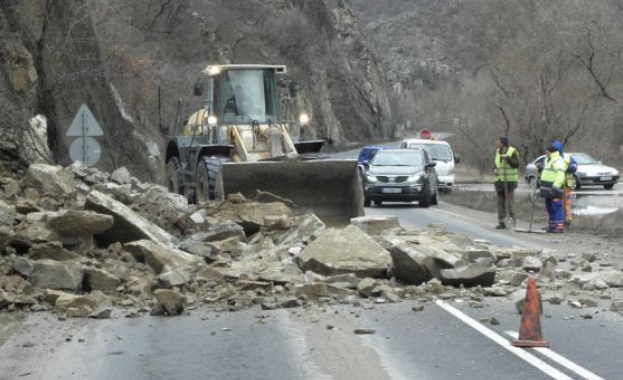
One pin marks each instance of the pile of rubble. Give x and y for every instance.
(82, 243)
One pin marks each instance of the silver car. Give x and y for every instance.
(591, 172)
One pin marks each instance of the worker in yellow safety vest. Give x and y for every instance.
(505, 163)
(570, 166)
(552, 182)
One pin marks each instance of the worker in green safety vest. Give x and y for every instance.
(505, 163)
(552, 182)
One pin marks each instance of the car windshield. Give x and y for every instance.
(436, 151)
(404, 158)
(373, 152)
(585, 159)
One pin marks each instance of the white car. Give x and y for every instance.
(591, 172)
(440, 152)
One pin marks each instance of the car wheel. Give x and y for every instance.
(366, 202)
(425, 198)
(609, 186)
(577, 184)
(433, 199)
(532, 182)
(378, 202)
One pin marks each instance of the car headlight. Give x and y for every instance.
(615, 172)
(416, 178)
(371, 178)
(581, 173)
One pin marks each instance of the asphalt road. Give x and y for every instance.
(581, 342)
(446, 340)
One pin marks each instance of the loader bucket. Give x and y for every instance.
(331, 189)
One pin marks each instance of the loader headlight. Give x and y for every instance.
(213, 70)
(304, 119)
(212, 120)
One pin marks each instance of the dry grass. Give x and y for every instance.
(483, 198)
(468, 174)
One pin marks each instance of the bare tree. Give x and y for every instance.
(554, 76)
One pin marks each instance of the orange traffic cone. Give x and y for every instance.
(530, 329)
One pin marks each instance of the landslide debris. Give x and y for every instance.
(82, 243)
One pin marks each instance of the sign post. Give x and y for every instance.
(85, 148)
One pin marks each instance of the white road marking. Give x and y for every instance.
(522, 353)
(561, 360)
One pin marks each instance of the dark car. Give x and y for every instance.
(400, 175)
(590, 172)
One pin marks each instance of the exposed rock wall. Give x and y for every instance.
(51, 64)
(57, 56)
(346, 78)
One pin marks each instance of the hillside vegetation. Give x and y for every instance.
(535, 71)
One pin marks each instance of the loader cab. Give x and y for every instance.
(244, 94)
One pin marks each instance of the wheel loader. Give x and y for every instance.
(235, 140)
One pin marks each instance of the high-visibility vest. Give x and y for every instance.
(553, 173)
(570, 181)
(506, 172)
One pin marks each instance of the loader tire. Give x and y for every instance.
(175, 180)
(209, 185)
(202, 193)
(216, 184)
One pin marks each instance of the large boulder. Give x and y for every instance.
(128, 225)
(347, 250)
(48, 179)
(161, 258)
(58, 275)
(478, 273)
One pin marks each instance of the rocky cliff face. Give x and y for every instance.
(346, 77)
(51, 66)
(59, 55)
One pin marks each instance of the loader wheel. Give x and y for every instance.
(175, 180)
(214, 165)
(203, 191)
(209, 185)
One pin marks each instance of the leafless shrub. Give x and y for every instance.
(159, 16)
